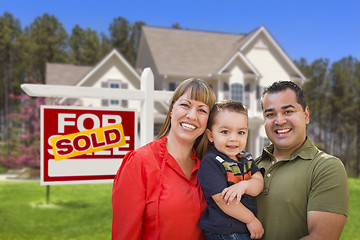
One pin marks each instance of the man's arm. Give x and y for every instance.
(324, 225)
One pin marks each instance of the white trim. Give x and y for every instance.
(252, 38)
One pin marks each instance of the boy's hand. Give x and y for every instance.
(234, 191)
(255, 228)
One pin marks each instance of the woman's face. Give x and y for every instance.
(188, 118)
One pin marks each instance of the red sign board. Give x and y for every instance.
(84, 145)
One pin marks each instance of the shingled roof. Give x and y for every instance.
(177, 51)
(65, 74)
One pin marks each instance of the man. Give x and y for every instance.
(306, 193)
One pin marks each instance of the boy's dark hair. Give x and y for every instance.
(282, 86)
(230, 105)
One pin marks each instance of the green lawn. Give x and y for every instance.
(353, 221)
(74, 212)
(84, 211)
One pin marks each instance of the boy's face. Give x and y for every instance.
(229, 132)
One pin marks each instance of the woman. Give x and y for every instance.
(156, 193)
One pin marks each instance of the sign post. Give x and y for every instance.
(78, 157)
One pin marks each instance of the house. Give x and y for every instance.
(237, 66)
(113, 71)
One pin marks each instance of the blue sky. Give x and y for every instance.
(304, 28)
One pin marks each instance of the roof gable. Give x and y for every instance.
(200, 53)
(262, 32)
(177, 51)
(114, 54)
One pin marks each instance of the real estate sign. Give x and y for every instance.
(84, 145)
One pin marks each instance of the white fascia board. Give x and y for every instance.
(252, 38)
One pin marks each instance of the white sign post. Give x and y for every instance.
(147, 95)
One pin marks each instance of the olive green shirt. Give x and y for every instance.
(307, 180)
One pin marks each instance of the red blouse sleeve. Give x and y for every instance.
(128, 199)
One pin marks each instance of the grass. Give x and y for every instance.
(84, 211)
(353, 221)
(75, 211)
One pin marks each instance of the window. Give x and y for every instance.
(226, 91)
(157, 128)
(173, 86)
(259, 92)
(114, 102)
(247, 95)
(237, 92)
(124, 103)
(114, 83)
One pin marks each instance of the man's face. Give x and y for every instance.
(285, 121)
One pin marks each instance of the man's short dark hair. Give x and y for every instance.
(282, 86)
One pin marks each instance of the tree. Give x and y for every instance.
(85, 46)
(341, 101)
(333, 95)
(25, 139)
(176, 26)
(76, 40)
(105, 45)
(125, 37)
(119, 33)
(357, 117)
(316, 89)
(134, 41)
(11, 68)
(47, 42)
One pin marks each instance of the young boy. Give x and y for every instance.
(227, 172)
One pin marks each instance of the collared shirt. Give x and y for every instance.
(307, 180)
(153, 199)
